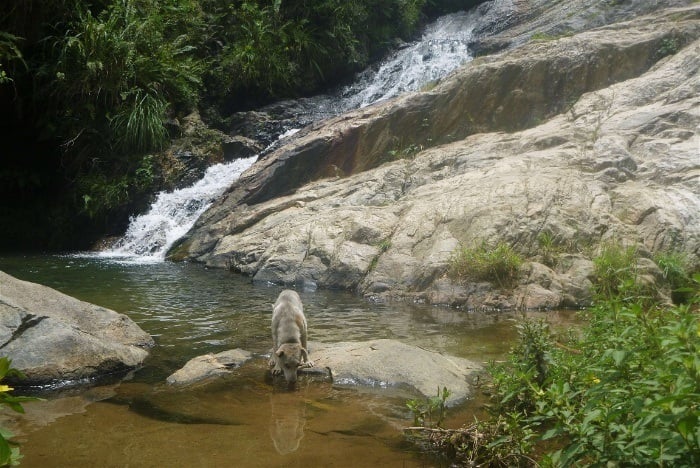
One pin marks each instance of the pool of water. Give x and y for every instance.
(242, 420)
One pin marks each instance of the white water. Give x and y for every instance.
(150, 235)
(442, 49)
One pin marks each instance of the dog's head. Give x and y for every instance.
(290, 356)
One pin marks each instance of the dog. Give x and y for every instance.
(289, 333)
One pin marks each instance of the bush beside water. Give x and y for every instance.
(622, 390)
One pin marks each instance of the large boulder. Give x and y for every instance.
(56, 339)
(589, 138)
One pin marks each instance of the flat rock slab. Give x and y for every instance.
(57, 339)
(210, 365)
(392, 363)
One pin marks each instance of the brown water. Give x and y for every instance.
(242, 420)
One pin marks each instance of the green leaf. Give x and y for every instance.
(4, 367)
(619, 356)
(553, 432)
(686, 426)
(5, 452)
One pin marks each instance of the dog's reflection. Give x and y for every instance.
(287, 420)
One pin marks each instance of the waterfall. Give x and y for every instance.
(172, 214)
(442, 48)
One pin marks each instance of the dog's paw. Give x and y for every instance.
(308, 364)
(272, 363)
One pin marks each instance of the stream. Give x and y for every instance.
(242, 420)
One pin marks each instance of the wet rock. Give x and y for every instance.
(208, 366)
(386, 362)
(55, 339)
(198, 147)
(238, 147)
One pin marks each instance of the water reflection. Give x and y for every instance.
(287, 420)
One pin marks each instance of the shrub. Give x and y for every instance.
(668, 46)
(627, 392)
(497, 264)
(430, 412)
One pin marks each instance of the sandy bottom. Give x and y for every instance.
(246, 423)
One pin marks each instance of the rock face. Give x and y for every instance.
(56, 339)
(587, 138)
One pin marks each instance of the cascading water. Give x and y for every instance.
(150, 235)
(442, 48)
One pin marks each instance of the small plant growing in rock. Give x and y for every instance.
(548, 248)
(616, 274)
(499, 264)
(668, 46)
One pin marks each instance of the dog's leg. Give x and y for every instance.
(305, 358)
(304, 353)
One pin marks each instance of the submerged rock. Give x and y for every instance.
(55, 339)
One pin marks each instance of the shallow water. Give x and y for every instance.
(243, 420)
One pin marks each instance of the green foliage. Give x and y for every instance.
(626, 392)
(9, 451)
(499, 264)
(112, 81)
(617, 275)
(115, 75)
(102, 194)
(404, 152)
(675, 269)
(668, 46)
(430, 412)
(9, 53)
(138, 123)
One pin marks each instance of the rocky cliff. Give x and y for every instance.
(583, 129)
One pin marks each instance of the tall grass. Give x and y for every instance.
(497, 264)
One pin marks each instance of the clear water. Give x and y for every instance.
(243, 420)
